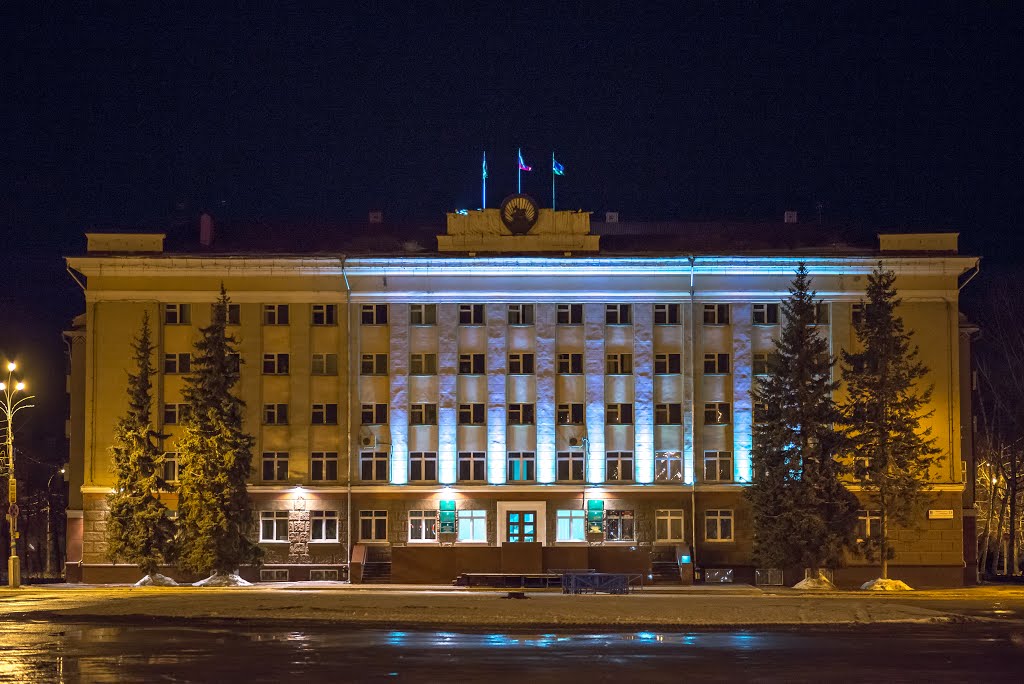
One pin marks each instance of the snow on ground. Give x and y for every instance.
(156, 580)
(886, 585)
(469, 608)
(819, 583)
(218, 580)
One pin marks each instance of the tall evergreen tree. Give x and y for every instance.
(883, 413)
(803, 515)
(139, 530)
(214, 510)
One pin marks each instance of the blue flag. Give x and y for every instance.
(557, 168)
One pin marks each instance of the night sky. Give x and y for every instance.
(895, 119)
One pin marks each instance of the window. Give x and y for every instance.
(423, 466)
(619, 466)
(373, 466)
(275, 314)
(520, 526)
(323, 526)
(759, 366)
(423, 414)
(170, 466)
(668, 414)
(668, 525)
(472, 414)
(666, 314)
(570, 414)
(570, 364)
(570, 526)
(373, 314)
(570, 314)
(522, 466)
(324, 364)
(472, 466)
(275, 364)
(471, 314)
(668, 466)
(716, 364)
(619, 414)
(234, 314)
(869, 524)
(275, 414)
(571, 466)
(422, 526)
(766, 314)
(520, 314)
(175, 414)
(325, 314)
(471, 364)
(423, 364)
(718, 525)
(619, 364)
(716, 314)
(857, 314)
(619, 526)
(373, 364)
(821, 313)
(717, 413)
(234, 362)
(275, 465)
(520, 414)
(423, 314)
(473, 526)
(177, 363)
(760, 412)
(325, 414)
(618, 314)
(374, 414)
(273, 526)
(177, 314)
(520, 364)
(373, 525)
(667, 364)
(718, 466)
(323, 466)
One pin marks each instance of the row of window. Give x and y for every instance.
(571, 525)
(517, 314)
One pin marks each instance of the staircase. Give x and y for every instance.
(377, 568)
(664, 569)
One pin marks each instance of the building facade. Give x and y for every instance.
(518, 401)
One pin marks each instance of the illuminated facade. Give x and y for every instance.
(518, 401)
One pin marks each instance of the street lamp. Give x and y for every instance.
(10, 404)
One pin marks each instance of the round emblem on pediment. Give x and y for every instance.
(519, 213)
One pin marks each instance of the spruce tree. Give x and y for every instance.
(883, 413)
(214, 511)
(138, 530)
(803, 515)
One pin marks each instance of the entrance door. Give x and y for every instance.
(521, 526)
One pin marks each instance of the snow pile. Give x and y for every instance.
(218, 580)
(819, 583)
(156, 580)
(886, 585)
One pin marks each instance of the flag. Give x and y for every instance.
(485, 166)
(522, 164)
(557, 168)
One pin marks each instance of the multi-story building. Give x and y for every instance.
(520, 400)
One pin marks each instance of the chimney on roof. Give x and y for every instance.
(611, 217)
(205, 229)
(789, 217)
(377, 216)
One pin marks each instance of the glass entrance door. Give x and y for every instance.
(521, 526)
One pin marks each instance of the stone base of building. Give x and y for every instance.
(129, 574)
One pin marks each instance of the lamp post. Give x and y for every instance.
(10, 404)
(49, 520)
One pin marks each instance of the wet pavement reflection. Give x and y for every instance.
(48, 652)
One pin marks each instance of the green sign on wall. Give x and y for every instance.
(447, 517)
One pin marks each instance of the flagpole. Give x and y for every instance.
(519, 173)
(552, 180)
(483, 202)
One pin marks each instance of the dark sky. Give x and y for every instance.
(897, 118)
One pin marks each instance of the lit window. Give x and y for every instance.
(668, 414)
(423, 466)
(373, 525)
(522, 466)
(472, 414)
(619, 414)
(570, 364)
(718, 466)
(520, 314)
(472, 466)
(618, 314)
(275, 414)
(570, 314)
(473, 526)
(619, 364)
(373, 466)
(716, 314)
(273, 526)
(323, 466)
(619, 526)
(570, 414)
(374, 414)
(717, 413)
(471, 364)
(423, 414)
(325, 414)
(323, 526)
(668, 466)
(520, 364)
(666, 314)
(422, 526)
(571, 466)
(471, 314)
(619, 466)
(373, 364)
(177, 314)
(570, 526)
(170, 466)
(325, 314)
(177, 363)
(521, 414)
(373, 314)
(665, 364)
(766, 314)
(324, 364)
(760, 412)
(423, 314)
(275, 466)
(716, 364)
(275, 364)
(275, 314)
(718, 525)
(669, 525)
(423, 364)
